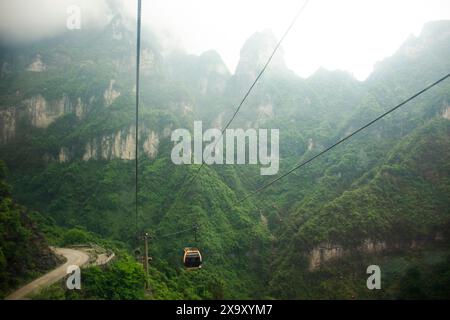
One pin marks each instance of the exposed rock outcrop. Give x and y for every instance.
(186, 108)
(42, 112)
(328, 251)
(151, 145)
(121, 145)
(446, 112)
(81, 107)
(63, 155)
(37, 65)
(110, 94)
(7, 125)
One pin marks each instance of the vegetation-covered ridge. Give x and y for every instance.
(67, 119)
(24, 251)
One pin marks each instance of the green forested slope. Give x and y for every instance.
(24, 251)
(389, 183)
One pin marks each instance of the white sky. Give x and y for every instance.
(350, 35)
(336, 34)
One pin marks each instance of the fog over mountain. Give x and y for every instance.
(25, 21)
(349, 35)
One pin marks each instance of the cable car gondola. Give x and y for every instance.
(192, 258)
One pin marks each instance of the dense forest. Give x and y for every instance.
(67, 143)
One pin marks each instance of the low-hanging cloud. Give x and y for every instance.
(347, 34)
(23, 21)
(27, 21)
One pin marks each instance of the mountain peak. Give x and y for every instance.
(212, 56)
(432, 33)
(435, 28)
(256, 51)
(120, 27)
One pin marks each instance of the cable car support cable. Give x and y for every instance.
(260, 74)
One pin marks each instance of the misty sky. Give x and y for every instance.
(336, 34)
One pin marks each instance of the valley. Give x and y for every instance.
(67, 145)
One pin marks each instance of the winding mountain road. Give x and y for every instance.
(74, 257)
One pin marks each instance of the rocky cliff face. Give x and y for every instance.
(151, 145)
(122, 144)
(119, 145)
(446, 112)
(64, 155)
(111, 94)
(328, 251)
(213, 74)
(37, 65)
(7, 125)
(40, 113)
